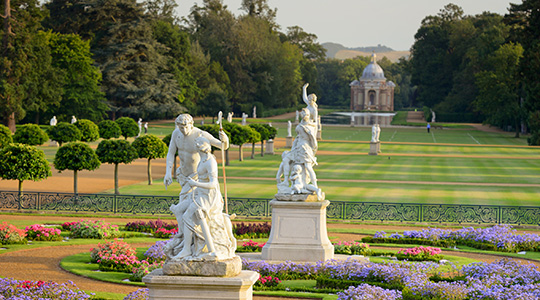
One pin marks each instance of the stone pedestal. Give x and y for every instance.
(220, 268)
(269, 147)
(162, 287)
(374, 148)
(298, 232)
(288, 142)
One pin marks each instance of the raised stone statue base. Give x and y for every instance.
(161, 286)
(299, 197)
(221, 268)
(288, 142)
(374, 148)
(269, 147)
(298, 232)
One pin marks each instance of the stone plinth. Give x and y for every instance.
(299, 197)
(298, 232)
(221, 268)
(162, 287)
(288, 142)
(269, 147)
(374, 148)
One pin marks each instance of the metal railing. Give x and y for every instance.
(257, 207)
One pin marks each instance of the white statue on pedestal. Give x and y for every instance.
(254, 112)
(301, 159)
(289, 126)
(199, 207)
(229, 117)
(378, 133)
(374, 133)
(244, 116)
(53, 121)
(432, 116)
(73, 120)
(139, 123)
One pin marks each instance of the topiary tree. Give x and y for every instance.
(5, 136)
(64, 132)
(239, 135)
(116, 152)
(263, 132)
(253, 138)
(23, 162)
(30, 134)
(128, 126)
(89, 130)
(76, 156)
(151, 147)
(167, 141)
(109, 129)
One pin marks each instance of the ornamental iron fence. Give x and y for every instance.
(257, 207)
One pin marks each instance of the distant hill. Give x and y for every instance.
(334, 50)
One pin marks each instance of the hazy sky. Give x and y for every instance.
(361, 23)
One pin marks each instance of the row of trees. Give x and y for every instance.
(482, 67)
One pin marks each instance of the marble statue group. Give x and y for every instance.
(204, 231)
(295, 174)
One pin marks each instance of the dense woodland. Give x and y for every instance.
(104, 59)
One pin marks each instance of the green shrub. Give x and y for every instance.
(89, 130)
(10, 234)
(109, 129)
(88, 229)
(5, 136)
(128, 126)
(30, 134)
(64, 132)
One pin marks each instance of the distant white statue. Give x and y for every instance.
(374, 133)
(319, 124)
(145, 127)
(378, 132)
(199, 207)
(53, 121)
(296, 119)
(352, 117)
(289, 126)
(229, 117)
(73, 120)
(270, 124)
(244, 116)
(140, 127)
(432, 116)
(254, 112)
(302, 154)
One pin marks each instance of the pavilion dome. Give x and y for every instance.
(373, 72)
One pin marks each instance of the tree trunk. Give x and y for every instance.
(262, 148)
(241, 158)
(11, 122)
(252, 150)
(227, 157)
(75, 189)
(116, 191)
(518, 128)
(149, 172)
(20, 187)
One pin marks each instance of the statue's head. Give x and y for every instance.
(296, 169)
(203, 144)
(312, 98)
(184, 122)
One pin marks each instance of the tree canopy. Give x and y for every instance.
(30, 134)
(64, 132)
(23, 162)
(116, 152)
(150, 147)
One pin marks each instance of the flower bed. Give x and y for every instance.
(114, 255)
(252, 230)
(497, 238)
(420, 254)
(250, 246)
(37, 232)
(150, 226)
(162, 233)
(23, 289)
(10, 234)
(352, 248)
(88, 229)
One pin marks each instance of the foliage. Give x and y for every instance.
(23, 289)
(114, 255)
(267, 281)
(76, 156)
(109, 129)
(23, 162)
(150, 226)
(128, 126)
(262, 130)
(155, 252)
(116, 152)
(250, 246)
(140, 294)
(37, 232)
(366, 291)
(151, 147)
(272, 131)
(30, 134)
(5, 136)
(352, 248)
(64, 132)
(10, 234)
(251, 230)
(89, 130)
(142, 270)
(67, 225)
(419, 254)
(94, 229)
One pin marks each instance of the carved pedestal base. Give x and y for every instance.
(162, 287)
(269, 147)
(374, 148)
(221, 268)
(288, 142)
(298, 232)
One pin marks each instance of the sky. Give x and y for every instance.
(361, 23)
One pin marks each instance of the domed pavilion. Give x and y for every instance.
(372, 92)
